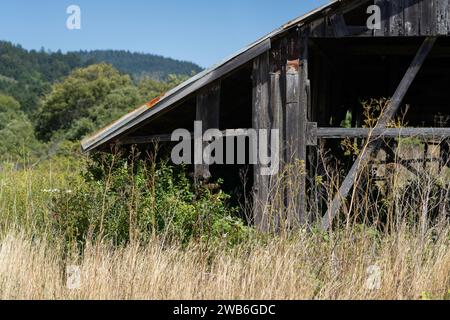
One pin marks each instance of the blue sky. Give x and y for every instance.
(202, 31)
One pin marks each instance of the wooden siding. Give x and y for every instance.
(399, 18)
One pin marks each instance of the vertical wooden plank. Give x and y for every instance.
(276, 113)
(292, 141)
(207, 111)
(292, 115)
(448, 17)
(296, 122)
(385, 20)
(396, 21)
(292, 110)
(427, 18)
(276, 186)
(442, 16)
(261, 120)
(304, 99)
(412, 17)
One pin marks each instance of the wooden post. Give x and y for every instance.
(387, 115)
(208, 111)
(297, 99)
(260, 119)
(276, 187)
(304, 101)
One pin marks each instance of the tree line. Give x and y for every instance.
(48, 100)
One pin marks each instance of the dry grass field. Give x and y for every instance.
(307, 266)
(142, 236)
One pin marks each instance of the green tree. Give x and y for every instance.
(79, 104)
(150, 88)
(18, 141)
(117, 103)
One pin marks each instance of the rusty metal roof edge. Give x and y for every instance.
(112, 130)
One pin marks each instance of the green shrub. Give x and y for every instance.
(125, 200)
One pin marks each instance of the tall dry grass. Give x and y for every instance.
(307, 266)
(391, 239)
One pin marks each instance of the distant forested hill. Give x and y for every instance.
(27, 75)
(51, 100)
(140, 65)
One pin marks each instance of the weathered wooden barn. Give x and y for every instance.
(304, 78)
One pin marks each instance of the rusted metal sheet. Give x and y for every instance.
(153, 102)
(293, 65)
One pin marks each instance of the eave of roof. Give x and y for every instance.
(144, 112)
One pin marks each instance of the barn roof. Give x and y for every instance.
(145, 112)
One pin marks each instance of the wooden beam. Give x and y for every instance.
(145, 139)
(168, 137)
(314, 133)
(208, 112)
(386, 116)
(261, 120)
(373, 134)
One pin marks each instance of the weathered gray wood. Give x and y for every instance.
(168, 137)
(296, 121)
(339, 25)
(387, 115)
(304, 100)
(396, 22)
(292, 110)
(276, 191)
(411, 17)
(372, 49)
(314, 133)
(339, 133)
(399, 18)
(261, 120)
(442, 16)
(208, 112)
(427, 18)
(292, 136)
(384, 28)
(144, 139)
